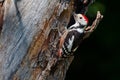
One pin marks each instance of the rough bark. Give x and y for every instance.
(30, 36)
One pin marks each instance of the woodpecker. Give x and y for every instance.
(72, 37)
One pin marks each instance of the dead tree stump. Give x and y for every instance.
(29, 37)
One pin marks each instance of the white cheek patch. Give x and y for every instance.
(83, 22)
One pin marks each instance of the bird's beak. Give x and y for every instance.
(74, 14)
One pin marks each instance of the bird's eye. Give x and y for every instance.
(80, 17)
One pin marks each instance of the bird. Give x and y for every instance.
(72, 36)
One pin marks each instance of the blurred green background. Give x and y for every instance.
(98, 57)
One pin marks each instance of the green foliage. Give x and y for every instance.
(97, 6)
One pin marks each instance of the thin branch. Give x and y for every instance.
(94, 25)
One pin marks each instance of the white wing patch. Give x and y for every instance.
(70, 44)
(78, 30)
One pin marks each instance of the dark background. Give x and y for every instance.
(98, 57)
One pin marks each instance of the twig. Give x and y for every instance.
(94, 25)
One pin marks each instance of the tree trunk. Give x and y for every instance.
(30, 36)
